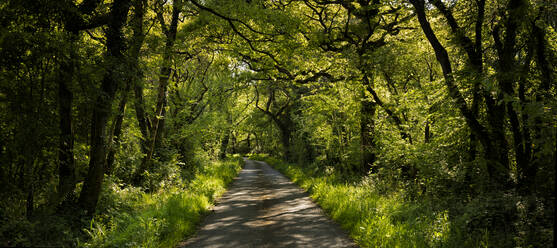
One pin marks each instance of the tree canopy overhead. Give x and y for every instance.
(449, 102)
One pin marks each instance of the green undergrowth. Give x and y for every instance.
(163, 218)
(374, 219)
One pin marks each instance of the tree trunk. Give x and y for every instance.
(163, 80)
(234, 143)
(162, 121)
(257, 145)
(139, 105)
(30, 203)
(397, 121)
(475, 59)
(538, 161)
(116, 131)
(66, 169)
(135, 75)
(367, 130)
(506, 74)
(249, 142)
(285, 137)
(526, 175)
(309, 152)
(101, 111)
(427, 133)
(496, 152)
(224, 144)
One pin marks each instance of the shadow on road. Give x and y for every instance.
(264, 209)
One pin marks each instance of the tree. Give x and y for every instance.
(114, 76)
(134, 79)
(359, 32)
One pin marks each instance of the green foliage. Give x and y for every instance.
(45, 230)
(132, 218)
(288, 78)
(376, 219)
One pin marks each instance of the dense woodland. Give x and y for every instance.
(114, 109)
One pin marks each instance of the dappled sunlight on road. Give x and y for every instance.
(264, 209)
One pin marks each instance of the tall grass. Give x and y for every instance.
(163, 218)
(373, 219)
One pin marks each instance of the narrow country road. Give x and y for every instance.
(264, 209)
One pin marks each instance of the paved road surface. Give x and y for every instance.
(264, 209)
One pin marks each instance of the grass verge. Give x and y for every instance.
(164, 218)
(373, 219)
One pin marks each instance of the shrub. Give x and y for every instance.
(131, 218)
(375, 219)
